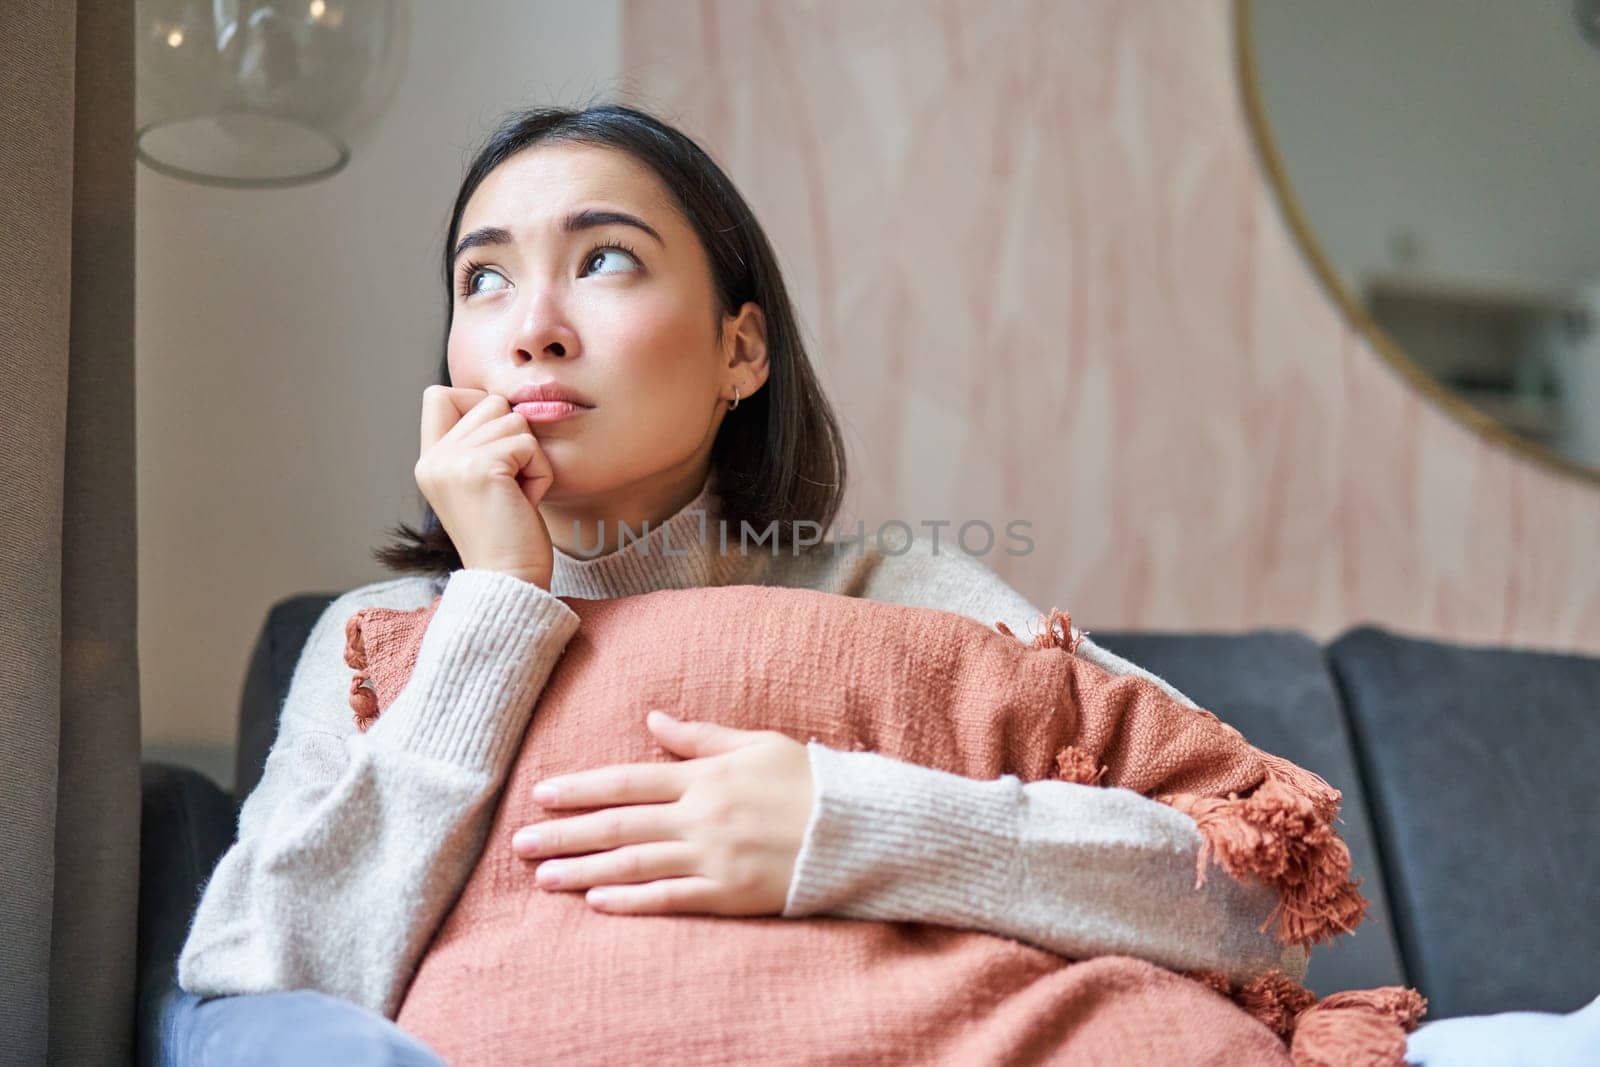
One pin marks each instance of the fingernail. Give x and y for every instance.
(544, 793)
(549, 874)
(525, 840)
(601, 897)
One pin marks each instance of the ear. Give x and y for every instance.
(744, 339)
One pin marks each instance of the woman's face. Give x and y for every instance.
(580, 270)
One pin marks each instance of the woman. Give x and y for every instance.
(621, 350)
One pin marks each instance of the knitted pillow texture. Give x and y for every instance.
(516, 971)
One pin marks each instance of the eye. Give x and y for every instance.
(471, 273)
(614, 254)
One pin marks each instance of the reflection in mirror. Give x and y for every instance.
(1441, 161)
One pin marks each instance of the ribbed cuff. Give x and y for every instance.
(1110, 871)
(1079, 870)
(483, 662)
(895, 841)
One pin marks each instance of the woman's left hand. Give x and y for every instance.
(716, 833)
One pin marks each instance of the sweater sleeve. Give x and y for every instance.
(354, 845)
(1076, 869)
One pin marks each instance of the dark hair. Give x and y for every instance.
(779, 458)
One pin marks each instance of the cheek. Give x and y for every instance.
(464, 354)
(663, 349)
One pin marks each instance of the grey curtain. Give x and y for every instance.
(69, 696)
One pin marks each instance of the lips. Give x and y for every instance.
(548, 410)
(549, 393)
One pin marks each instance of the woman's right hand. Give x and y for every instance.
(484, 473)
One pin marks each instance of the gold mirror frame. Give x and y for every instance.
(1333, 285)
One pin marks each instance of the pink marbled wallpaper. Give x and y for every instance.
(1045, 278)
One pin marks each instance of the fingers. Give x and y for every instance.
(508, 437)
(516, 452)
(493, 428)
(692, 737)
(447, 411)
(692, 894)
(635, 863)
(598, 830)
(620, 783)
(536, 472)
(442, 408)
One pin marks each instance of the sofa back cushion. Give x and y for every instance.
(1480, 765)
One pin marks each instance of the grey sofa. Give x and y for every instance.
(1468, 773)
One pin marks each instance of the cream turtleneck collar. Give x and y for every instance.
(680, 552)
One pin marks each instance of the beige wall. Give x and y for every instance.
(1047, 278)
(284, 339)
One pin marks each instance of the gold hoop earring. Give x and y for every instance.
(735, 399)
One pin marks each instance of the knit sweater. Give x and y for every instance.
(354, 845)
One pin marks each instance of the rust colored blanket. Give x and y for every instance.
(516, 973)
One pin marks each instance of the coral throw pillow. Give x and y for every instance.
(517, 973)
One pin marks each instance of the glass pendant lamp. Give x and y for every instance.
(263, 93)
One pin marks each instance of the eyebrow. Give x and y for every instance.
(573, 223)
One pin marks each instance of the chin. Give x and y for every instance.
(571, 481)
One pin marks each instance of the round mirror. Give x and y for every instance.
(1440, 164)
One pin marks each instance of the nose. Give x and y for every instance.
(543, 331)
